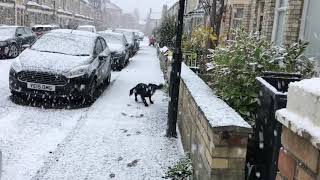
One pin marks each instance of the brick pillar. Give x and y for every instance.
(268, 18)
(299, 159)
(292, 26)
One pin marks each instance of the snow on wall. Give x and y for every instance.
(302, 115)
(216, 110)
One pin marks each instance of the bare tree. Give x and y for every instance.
(214, 9)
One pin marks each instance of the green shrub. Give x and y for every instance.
(239, 62)
(181, 171)
(166, 32)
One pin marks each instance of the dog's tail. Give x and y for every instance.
(132, 91)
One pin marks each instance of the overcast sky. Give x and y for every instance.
(142, 5)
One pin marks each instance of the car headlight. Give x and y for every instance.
(16, 65)
(3, 43)
(78, 71)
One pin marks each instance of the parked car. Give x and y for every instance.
(131, 38)
(89, 28)
(119, 48)
(14, 39)
(141, 35)
(42, 29)
(62, 63)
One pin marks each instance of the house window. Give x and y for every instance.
(238, 17)
(279, 21)
(310, 28)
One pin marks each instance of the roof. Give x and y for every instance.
(75, 32)
(110, 5)
(8, 26)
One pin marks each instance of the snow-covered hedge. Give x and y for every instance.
(237, 64)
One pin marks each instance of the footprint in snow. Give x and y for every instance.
(133, 163)
(138, 132)
(124, 130)
(140, 116)
(112, 175)
(124, 114)
(120, 159)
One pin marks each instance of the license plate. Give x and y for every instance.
(43, 87)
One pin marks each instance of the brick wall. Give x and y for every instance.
(298, 159)
(217, 152)
(292, 25)
(268, 18)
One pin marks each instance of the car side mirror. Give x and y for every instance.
(127, 44)
(25, 46)
(19, 35)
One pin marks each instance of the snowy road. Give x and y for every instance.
(115, 138)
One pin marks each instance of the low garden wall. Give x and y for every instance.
(212, 133)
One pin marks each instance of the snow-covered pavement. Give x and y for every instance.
(115, 138)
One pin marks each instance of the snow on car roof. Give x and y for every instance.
(110, 33)
(76, 32)
(91, 26)
(44, 25)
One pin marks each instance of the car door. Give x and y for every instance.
(21, 37)
(101, 68)
(106, 52)
(30, 36)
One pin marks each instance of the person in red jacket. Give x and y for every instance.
(152, 41)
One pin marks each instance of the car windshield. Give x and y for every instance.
(127, 34)
(69, 44)
(7, 31)
(112, 39)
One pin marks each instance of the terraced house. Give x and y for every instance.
(287, 21)
(66, 13)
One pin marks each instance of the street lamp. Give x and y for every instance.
(175, 76)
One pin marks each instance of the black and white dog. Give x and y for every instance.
(145, 91)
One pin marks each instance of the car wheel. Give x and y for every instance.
(92, 96)
(108, 80)
(13, 51)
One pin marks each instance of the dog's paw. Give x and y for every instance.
(146, 105)
(151, 102)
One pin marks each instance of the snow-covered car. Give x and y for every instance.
(41, 29)
(141, 35)
(62, 63)
(131, 38)
(88, 28)
(13, 40)
(119, 48)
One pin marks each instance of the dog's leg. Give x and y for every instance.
(150, 100)
(135, 97)
(144, 101)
